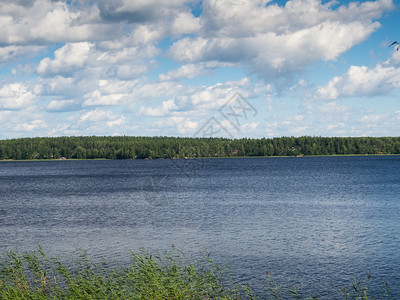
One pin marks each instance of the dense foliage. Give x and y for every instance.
(125, 147)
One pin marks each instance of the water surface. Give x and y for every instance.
(315, 222)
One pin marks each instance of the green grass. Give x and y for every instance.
(167, 275)
(150, 275)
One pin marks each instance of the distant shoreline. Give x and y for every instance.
(224, 157)
(130, 147)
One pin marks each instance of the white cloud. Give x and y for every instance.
(152, 91)
(109, 52)
(181, 124)
(62, 105)
(185, 23)
(116, 122)
(339, 126)
(298, 130)
(15, 96)
(97, 116)
(164, 109)
(249, 127)
(325, 113)
(95, 98)
(333, 107)
(36, 124)
(146, 34)
(186, 71)
(66, 59)
(276, 40)
(58, 85)
(191, 70)
(362, 81)
(126, 54)
(9, 53)
(216, 95)
(139, 10)
(46, 21)
(373, 119)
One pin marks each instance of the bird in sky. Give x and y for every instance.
(395, 43)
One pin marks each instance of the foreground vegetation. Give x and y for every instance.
(125, 147)
(167, 275)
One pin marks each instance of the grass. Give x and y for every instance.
(150, 275)
(167, 275)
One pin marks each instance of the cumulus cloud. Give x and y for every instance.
(10, 53)
(58, 85)
(155, 90)
(186, 71)
(181, 124)
(195, 101)
(373, 119)
(36, 124)
(96, 98)
(107, 55)
(15, 96)
(116, 122)
(108, 118)
(46, 21)
(185, 23)
(140, 11)
(331, 112)
(285, 127)
(84, 62)
(278, 40)
(336, 126)
(363, 81)
(216, 95)
(70, 57)
(98, 115)
(192, 70)
(248, 127)
(164, 109)
(333, 108)
(62, 105)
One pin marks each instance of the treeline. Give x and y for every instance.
(126, 147)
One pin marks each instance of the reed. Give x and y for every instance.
(149, 275)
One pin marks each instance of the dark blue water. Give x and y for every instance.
(312, 222)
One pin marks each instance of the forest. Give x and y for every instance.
(128, 147)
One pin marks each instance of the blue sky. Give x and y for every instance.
(238, 68)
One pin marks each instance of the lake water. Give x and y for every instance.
(315, 222)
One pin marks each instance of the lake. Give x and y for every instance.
(314, 222)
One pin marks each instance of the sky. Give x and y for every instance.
(230, 68)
